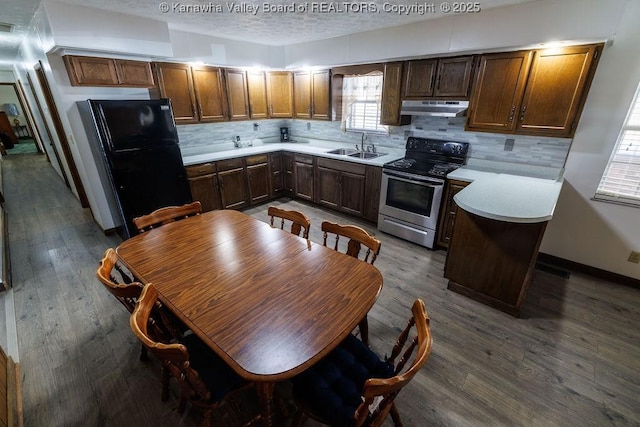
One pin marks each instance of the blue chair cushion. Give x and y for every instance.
(332, 388)
(216, 374)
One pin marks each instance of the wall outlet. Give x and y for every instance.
(634, 257)
(508, 144)
(256, 127)
(308, 125)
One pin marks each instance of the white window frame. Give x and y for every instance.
(367, 119)
(620, 181)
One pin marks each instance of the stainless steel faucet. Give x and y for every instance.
(362, 140)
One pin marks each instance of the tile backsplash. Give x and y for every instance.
(519, 149)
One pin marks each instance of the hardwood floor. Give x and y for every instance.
(572, 359)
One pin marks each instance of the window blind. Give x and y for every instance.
(621, 179)
(362, 96)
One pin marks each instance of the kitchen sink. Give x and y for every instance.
(365, 155)
(342, 151)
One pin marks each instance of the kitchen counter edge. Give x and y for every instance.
(505, 197)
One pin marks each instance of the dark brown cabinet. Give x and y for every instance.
(280, 94)
(373, 180)
(232, 179)
(96, 71)
(453, 77)
(237, 94)
(556, 90)
(438, 78)
(312, 94)
(277, 174)
(448, 212)
(304, 174)
(258, 178)
(203, 183)
(392, 95)
(420, 77)
(532, 92)
(257, 90)
(498, 91)
(341, 185)
(288, 169)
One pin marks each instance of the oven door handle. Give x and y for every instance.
(414, 179)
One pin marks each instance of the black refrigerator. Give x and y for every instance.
(137, 143)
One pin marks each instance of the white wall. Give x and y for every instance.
(582, 230)
(6, 76)
(500, 28)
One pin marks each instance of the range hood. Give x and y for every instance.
(434, 108)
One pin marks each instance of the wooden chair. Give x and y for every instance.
(120, 283)
(353, 387)
(204, 378)
(299, 221)
(357, 238)
(166, 215)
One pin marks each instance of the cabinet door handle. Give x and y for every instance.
(512, 113)
(221, 183)
(271, 109)
(522, 113)
(439, 78)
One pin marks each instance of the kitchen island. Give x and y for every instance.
(497, 233)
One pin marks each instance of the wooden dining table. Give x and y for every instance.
(270, 303)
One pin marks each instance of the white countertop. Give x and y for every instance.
(315, 148)
(507, 197)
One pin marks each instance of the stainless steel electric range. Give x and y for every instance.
(412, 187)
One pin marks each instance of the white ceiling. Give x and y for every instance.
(271, 28)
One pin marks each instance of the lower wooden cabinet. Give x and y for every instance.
(349, 187)
(341, 185)
(304, 174)
(258, 178)
(203, 182)
(448, 212)
(232, 179)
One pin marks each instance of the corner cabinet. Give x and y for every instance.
(392, 95)
(280, 94)
(532, 92)
(448, 212)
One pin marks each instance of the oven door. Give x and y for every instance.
(410, 198)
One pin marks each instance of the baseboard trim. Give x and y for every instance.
(587, 269)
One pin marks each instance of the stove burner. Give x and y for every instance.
(403, 163)
(442, 169)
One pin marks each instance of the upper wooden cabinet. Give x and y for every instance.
(175, 82)
(95, 71)
(556, 90)
(237, 93)
(498, 91)
(439, 78)
(392, 94)
(280, 94)
(197, 94)
(312, 91)
(257, 89)
(211, 100)
(532, 92)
